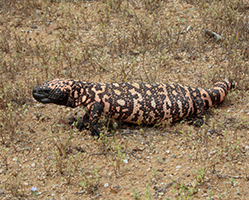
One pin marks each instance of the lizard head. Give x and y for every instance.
(56, 91)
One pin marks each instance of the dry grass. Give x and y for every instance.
(115, 41)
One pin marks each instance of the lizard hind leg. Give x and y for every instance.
(198, 120)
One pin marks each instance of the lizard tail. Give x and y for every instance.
(219, 91)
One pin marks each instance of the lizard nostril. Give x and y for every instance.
(35, 90)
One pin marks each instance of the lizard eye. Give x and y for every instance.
(46, 90)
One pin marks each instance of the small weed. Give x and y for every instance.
(200, 177)
(135, 195)
(233, 182)
(4, 156)
(34, 191)
(15, 186)
(146, 193)
(62, 145)
(104, 143)
(91, 182)
(118, 159)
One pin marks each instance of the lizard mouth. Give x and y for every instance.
(46, 95)
(41, 96)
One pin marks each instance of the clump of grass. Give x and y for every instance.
(118, 159)
(90, 183)
(15, 186)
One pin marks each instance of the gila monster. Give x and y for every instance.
(139, 103)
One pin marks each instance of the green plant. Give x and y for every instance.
(135, 195)
(91, 182)
(201, 176)
(119, 157)
(146, 193)
(15, 186)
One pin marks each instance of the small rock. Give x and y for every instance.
(213, 152)
(246, 147)
(125, 161)
(211, 131)
(189, 184)
(178, 167)
(54, 186)
(117, 186)
(53, 27)
(2, 192)
(155, 188)
(26, 148)
(160, 194)
(174, 156)
(33, 26)
(106, 184)
(160, 170)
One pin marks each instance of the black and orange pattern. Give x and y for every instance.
(139, 103)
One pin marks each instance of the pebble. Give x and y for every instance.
(178, 167)
(54, 186)
(174, 156)
(117, 186)
(106, 184)
(33, 26)
(213, 152)
(125, 161)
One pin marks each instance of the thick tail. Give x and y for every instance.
(219, 91)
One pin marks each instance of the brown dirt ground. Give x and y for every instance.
(104, 41)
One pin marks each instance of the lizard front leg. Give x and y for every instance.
(95, 112)
(90, 119)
